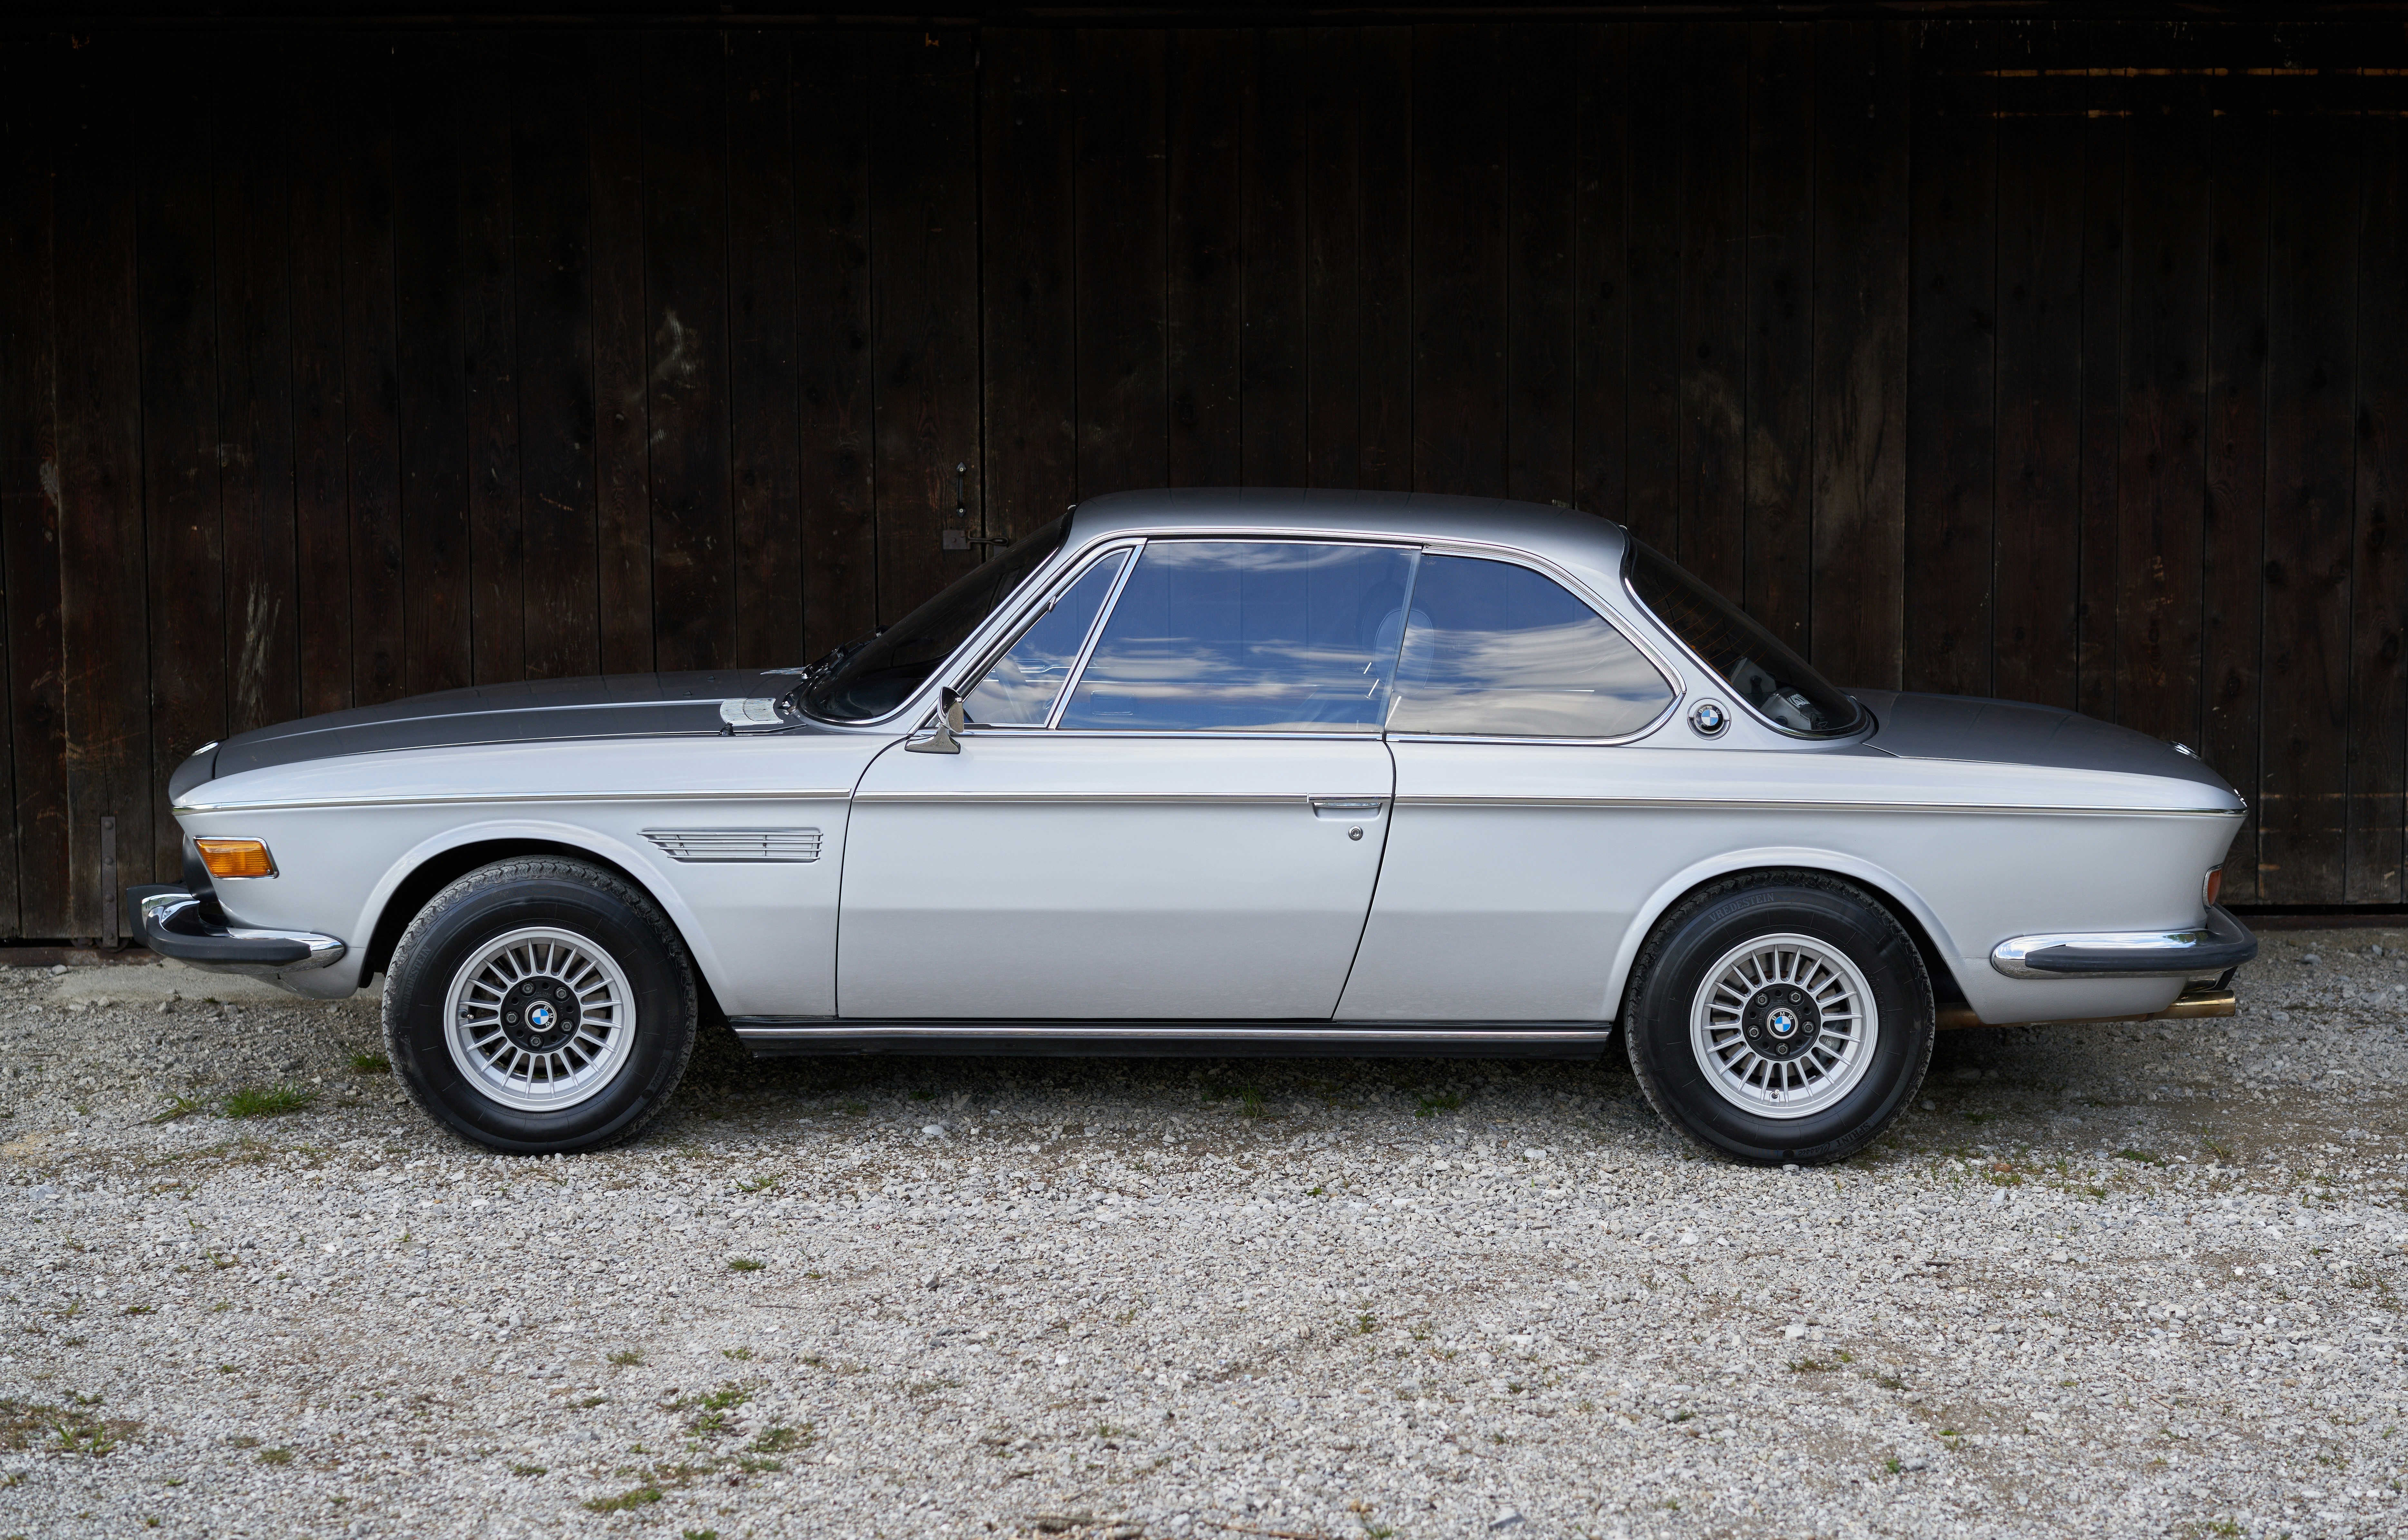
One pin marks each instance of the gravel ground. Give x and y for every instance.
(2106, 1280)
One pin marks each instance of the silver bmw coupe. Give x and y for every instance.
(1223, 772)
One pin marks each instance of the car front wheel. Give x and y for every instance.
(540, 1006)
(1780, 1018)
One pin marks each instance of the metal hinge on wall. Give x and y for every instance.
(961, 539)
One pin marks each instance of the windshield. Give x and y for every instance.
(1783, 687)
(867, 679)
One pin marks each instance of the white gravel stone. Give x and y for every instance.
(2140, 1279)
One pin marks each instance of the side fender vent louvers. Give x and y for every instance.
(737, 845)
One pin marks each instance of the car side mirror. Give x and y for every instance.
(949, 723)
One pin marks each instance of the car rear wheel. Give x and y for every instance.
(540, 1006)
(1780, 1018)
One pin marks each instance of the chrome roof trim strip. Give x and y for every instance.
(516, 799)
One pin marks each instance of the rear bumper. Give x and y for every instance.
(191, 928)
(2221, 944)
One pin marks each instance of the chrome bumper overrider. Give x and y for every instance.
(2222, 942)
(178, 923)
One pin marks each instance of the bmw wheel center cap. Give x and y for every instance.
(541, 1017)
(1783, 1023)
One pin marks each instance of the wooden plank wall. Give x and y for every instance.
(2055, 360)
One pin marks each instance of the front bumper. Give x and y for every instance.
(2222, 943)
(191, 928)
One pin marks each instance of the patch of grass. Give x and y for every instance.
(136, 1310)
(1435, 1102)
(756, 1183)
(745, 1264)
(276, 1457)
(243, 1440)
(179, 1106)
(64, 1430)
(698, 1534)
(777, 1438)
(371, 1064)
(2143, 1156)
(627, 1358)
(626, 1502)
(740, 1355)
(1809, 1366)
(267, 1101)
(529, 1469)
(1366, 1323)
(1891, 1465)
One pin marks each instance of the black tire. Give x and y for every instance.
(584, 900)
(1708, 924)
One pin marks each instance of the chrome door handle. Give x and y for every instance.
(1347, 805)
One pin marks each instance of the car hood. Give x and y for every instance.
(2013, 732)
(530, 711)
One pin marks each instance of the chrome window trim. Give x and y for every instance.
(1095, 634)
(1531, 561)
(1124, 799)
(1861, 727)
(1049, 594)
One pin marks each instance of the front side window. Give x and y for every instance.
(867, 679)
(1494, 649)
(1019, 691)
(1248, 636)
(1781, 686)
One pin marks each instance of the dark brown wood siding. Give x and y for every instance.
(2059, 361)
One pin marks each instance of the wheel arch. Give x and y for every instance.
(1914, 915)
(425, 873)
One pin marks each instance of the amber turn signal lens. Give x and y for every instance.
(2215, 885)
(236, 857)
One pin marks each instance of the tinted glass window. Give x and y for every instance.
(1766, 674)
(871, 677)
(1019, 691)
(1235, 636)
(1495, 650)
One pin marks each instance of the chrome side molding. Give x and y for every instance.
(2222, 942)
(766, 1035)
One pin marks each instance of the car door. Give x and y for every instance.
(1173, 812)
(1511, 869)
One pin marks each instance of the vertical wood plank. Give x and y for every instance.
(1601, 345)
(1658, 198)
(923, 251)
(1778, 295)
(2378, 691)
(685, 291)
(623, 420)
(840, 510)
(104, 590)
(321, 523)
(2038, 485)
(764, 401)
(1713, 319)
(2310, 385)
(1121, 214)
(2105, 259)
(429, 328)
(1861, 302)
(372, 452)
(1333, 300)
(2161, 479)
(38, 893)
(253, 238)
(1205, 81)
(1386, 224)
(177, 332)
(2234, 513)
(1459, 315)
(1031, 378)
(551, 217)
(1272, 423)
(1951, 412)
(493, 77)
(1543, 178)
